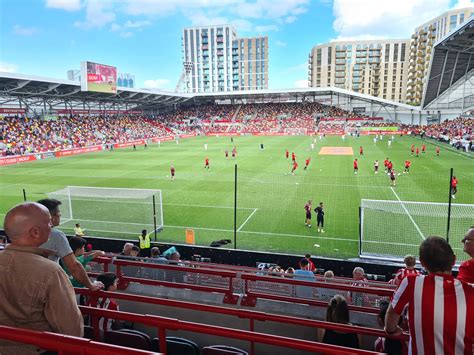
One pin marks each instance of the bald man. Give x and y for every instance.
(35, 292)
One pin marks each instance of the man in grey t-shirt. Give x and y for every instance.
(60, 245)
(58, 242)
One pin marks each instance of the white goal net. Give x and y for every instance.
(393, 229)
(110, 211)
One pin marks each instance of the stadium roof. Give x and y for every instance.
(451, 68)
(51, 94)
(33, 90)
(300, 93)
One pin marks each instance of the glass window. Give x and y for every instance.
(453, 21)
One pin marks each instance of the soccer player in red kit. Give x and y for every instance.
(361, 151)
(172, 171)
(307, 163)
(226, 153)
(454, 187)
(293, 156)
(407, 167)
(417, 151)
(389, 166)
(287, 154)
(356, 167)
(307, 208)
(295, 165)
(437, 151)
(385, 164)
(234, 152)
(423, 148)
(412, 149)
(206, 163)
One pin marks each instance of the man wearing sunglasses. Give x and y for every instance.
(466, 269)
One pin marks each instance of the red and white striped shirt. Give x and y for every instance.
(440, 313)
(402, 273)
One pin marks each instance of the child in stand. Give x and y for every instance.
(78, 248)
(109, 279)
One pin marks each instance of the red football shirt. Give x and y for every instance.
(440, 313)
(307, 161)
(355, 164)
(466, 271)
(454, 182)
(295, 165)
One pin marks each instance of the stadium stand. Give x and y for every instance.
(25, 135)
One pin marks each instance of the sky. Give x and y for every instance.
(143, 37)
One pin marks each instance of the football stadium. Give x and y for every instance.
(240, 219)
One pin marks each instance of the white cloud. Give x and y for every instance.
(463, 3)
(271, 9)
(280, 43)
(24, 31)
(137, 24)
(126, 34)
(8, 67)
(157, 83)
(99, 13)
(68, 5)
(241, 25)
(383, 18)
(244, 15)
(125, 29)
(266, 28)
(302, 83)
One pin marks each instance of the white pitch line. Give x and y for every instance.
(408, 213)
(166, 204)
(264, 233)
(248, 218)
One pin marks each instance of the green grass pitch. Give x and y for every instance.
(270, 214)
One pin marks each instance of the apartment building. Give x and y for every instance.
(215, 59)
(421, 45)
(376, 67)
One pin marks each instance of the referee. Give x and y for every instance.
(320, 217)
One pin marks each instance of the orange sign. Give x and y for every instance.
(190, 236)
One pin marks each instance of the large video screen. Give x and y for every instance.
(98, 77)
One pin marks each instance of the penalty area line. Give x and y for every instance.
(408, 214)
(248, 218)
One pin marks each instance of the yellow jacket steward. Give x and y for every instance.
(144, 241)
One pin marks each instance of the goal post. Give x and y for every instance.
(110, 211)
(391, 229)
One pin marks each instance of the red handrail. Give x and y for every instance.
(164, 323)
(241, 313)
(250, 296)
(333, 286)
(65, 344)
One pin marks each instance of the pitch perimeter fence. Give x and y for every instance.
(364, 215)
